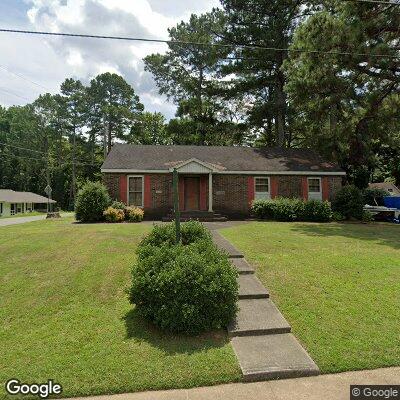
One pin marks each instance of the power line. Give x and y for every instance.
(24, 77)
(43, 152)
(14, 94)
(180, 42)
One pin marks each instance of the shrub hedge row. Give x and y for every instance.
(284, 209)
(188, 287)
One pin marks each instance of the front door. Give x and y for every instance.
(192, 193)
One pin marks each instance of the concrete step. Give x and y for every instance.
(223, 244)
(258, 317)
(242, 266)
(251, 288)
(201, 219)
(272, 357)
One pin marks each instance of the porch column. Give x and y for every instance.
(210, 197)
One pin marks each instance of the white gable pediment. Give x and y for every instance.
(194, 166)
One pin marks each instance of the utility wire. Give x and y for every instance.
(13, 94)
(180, 42)
(24, 77)
(43, 152)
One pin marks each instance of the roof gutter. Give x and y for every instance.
(163, 171)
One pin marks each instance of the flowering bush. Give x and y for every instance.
(114, 214)
(134, 214)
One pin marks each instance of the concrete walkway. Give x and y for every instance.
(323, 387)
(260, 335)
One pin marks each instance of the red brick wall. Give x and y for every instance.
(232, 194)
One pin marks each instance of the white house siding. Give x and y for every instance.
(6, 210)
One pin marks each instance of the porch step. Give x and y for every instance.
(258, 317)
(251, 288)
(243, 267)
(223, 244)
(272, 357)
(203, 216)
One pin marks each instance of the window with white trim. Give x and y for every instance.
(262, 188)
(314, 189)
(135, 191)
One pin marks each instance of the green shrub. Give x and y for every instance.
(349, 202)
(114, 215)
(184, 289)
(91, 201)
(134, 214)
(263, 209)
(284, 209)
(318, 211)
(289, 209)
(374, 197)
(119, 205)
(367, 216)
(336, 216)
(191, 232)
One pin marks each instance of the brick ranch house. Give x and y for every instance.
(218, 179)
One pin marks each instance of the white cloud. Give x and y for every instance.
(49, 60)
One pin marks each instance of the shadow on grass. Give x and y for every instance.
(378, 232)
(141, 330)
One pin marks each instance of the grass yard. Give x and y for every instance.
(65, 316)
(337, 284)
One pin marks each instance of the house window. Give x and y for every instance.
(314, 189)
(262, 188)
(1, 209)
(135, 191)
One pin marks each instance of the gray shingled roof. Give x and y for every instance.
(10, 196)
(225, 158)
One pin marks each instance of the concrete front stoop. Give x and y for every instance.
(260, 335)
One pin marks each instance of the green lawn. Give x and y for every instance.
(64, 316)
(337, 284)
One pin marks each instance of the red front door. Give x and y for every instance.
(192, 193)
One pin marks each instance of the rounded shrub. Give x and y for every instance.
(118, 205)
(349, 202)
(191, 232)
(317, 211)
(134, 214)
(91, 201)
(184, 289)
(285, 209)
(263, 209)
(114, 214)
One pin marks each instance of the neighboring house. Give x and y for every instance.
(12, 202)
(215, 178)
(388, 186)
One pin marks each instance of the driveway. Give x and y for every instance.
(23, 220)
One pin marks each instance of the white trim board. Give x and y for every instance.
(164, 171)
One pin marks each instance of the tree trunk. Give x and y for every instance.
(200, 126)
(280, 116)
(73, 183)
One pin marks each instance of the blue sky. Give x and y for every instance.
(48, 61)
